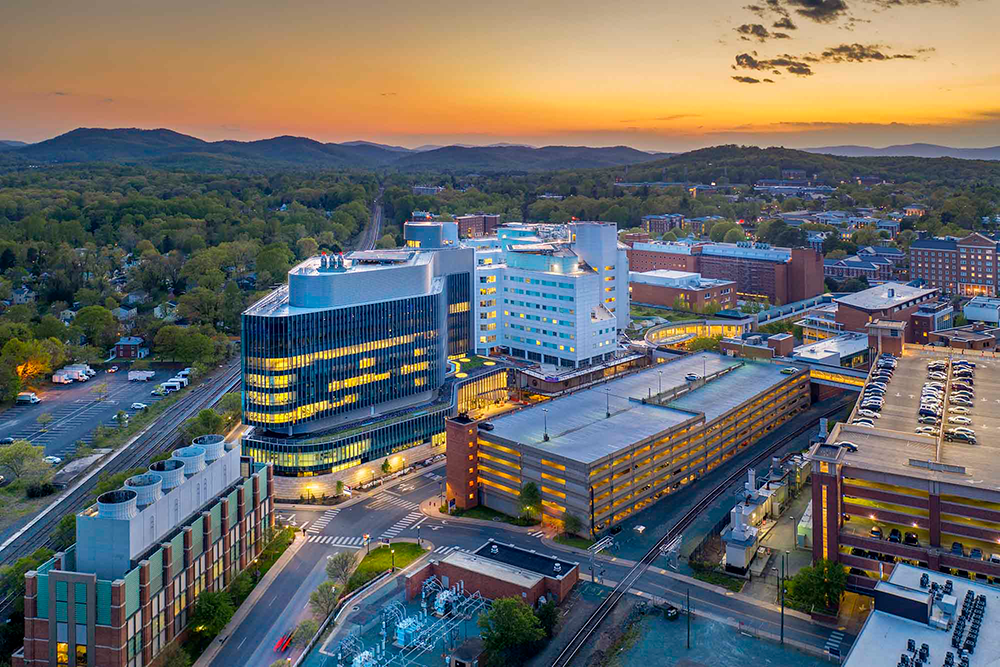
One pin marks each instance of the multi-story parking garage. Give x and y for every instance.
(942, 497)
(604, 453)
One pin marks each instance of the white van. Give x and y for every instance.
(182, 381)
(171, 386)
(27, 398)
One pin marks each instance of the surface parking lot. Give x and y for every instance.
(76, 410)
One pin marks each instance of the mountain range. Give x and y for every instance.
(163, 148)
(910, 150)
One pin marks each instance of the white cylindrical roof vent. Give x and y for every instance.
(213, 444)
(120, 504)
(148, 486)
(171, 471)
(193, 458)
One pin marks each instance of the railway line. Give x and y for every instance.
(580, 639)
(155, 438)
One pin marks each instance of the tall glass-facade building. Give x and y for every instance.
(350, 343)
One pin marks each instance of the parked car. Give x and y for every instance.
(959, 420)
(7, 441)
(957, 548)
(952, 436)
(691, 377)
(871, 414)
(926, 430)
(52, 460)
(789, 370)
(895, 536)
(911, 539)
(959, 410)
(138, 406)
(929, 419)
(976, 553)
(875, 532)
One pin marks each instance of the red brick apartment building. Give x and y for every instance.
(664, 288)
(966, 266)
(781, 275)
(477, 225)
(892, 301)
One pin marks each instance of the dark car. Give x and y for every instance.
(895, 536)
(957, 549)
(976, 553)
(859, 552)
(911, 539)
(858, 573)
(876, 532)
(7, 441)
(671, 612)
(615, 530)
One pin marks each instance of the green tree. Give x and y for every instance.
(340, 487)
(548, 617)
(854, 285)
(122, 418)
(200, 305)
(323, 600)
(273, 263)
(26, 360)
(98, 325)
(530, 499)
(205, 422)
(12, 576)
(64, 534)
(669, 236)
(510, 629)
(174, 656)
(572, 525)
(43, 420)
(306, 247)
(20, 458)
(387, 241)
(212, 611)
(836, 253)
(305, 631)
(734, 235)
(704, 343)
(386, 467)
(339, 568)
(50, 326)
(820, 585)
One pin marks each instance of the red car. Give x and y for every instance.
(284, 641)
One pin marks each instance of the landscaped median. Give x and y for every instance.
(400, 555)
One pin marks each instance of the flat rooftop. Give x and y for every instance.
(884, 635)
(844, 346)
(579, 429)
(893, 443)
(884, 296)
(486, 565)
(532, 561)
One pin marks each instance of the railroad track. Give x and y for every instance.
(565, 658)
(158, 436)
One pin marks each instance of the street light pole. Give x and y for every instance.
(689, 617)
(545, 418)
(781, 584)
(368, 542)
(392, 553)
(607, 394)
(418, 535)
(659, 382)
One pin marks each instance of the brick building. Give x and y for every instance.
(498, 570)
(143, 554)
(130, 347)
(661, 224)
(665, 287)
(781, 275)
(477, 225)
(892, 301)
(966, 266)
(969, 337)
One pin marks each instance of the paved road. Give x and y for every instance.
(373, 232)
(76, 411)
(392, 513)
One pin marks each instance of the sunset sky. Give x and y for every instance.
(654, 74)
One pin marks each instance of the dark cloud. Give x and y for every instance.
(745, 79)
(753, 31)
(792, 64)
(785, 23)
(780, 35)
(860, 53)
(768, 80)
(820, 11)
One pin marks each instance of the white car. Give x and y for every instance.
(138, 406)
(959, 410)
(691, 377)
(937, 376)
(926, 430)
(965, 421)
(52, 460)
(871, 414)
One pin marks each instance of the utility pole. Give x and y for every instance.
(781, 582)
(689, 618)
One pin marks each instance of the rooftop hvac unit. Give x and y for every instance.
(193, 458)
(148, 488)
(213, 444)
(172, 472)
(120, 504)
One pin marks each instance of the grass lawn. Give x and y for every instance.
(642, 312)
(487, 514)
(16, 506)
(381, 559)
(473, 363)
(720, 579)
(574, 541)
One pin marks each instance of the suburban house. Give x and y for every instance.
(166, 311)
(22, 295)
(136, 298)
(124, 314)
(130, 347)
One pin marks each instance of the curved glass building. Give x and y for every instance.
(351, 341)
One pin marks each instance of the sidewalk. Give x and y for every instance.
(208, 656)
(431, 508)
(360, 496)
